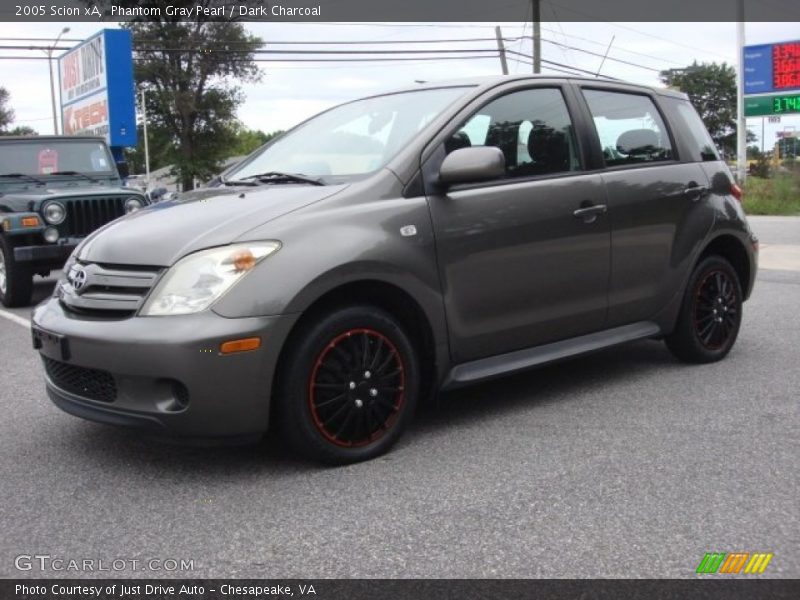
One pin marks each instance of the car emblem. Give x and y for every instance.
(77, 277)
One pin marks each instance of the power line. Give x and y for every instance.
(619, 60)
(257, 46)
(329, 52)
(323, 52)
(438, 41)
(618, 49)
(38, 39)
(563, 66)
(292, 60)
(344, 42)
(593, 17)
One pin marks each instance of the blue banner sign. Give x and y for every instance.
(97, 90)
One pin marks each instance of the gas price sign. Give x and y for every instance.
(772, 79)
(786, 66)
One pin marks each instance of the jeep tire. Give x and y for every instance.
(16, 280)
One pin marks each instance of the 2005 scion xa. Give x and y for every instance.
(398, 245)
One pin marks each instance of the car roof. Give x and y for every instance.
(485, 83)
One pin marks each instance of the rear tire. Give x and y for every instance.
(711, 314)
(16, 280)
(348, 386)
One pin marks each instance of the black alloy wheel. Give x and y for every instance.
(715, 309)
(349, 385)
(357, 388)
(711, 313)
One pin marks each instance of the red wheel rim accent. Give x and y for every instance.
(715, 310)
(357, 388)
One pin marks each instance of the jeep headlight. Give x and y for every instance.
(54, 213)
(133, 204)
(196, 281)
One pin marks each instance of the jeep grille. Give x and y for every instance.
(84, 215)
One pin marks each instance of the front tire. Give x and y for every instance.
(348, 387)
(16, 280)
(711, 313)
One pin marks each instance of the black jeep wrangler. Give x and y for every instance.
(54, 191)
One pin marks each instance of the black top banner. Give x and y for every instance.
(401, 10)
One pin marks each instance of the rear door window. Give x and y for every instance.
(701, 145)
(630, 128)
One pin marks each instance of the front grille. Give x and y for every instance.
(112, 291)
(86, 383)
(84, 215)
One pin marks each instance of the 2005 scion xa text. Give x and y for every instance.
(398, 245)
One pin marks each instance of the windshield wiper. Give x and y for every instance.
(21, 175)
(277, 177)
(84, 175)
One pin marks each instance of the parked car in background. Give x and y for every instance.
(401, 244)
(54, 191)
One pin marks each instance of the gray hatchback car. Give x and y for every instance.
(398, 245)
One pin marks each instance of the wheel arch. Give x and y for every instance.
(393, 299)
(732, 249)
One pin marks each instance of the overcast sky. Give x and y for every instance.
(290, 92)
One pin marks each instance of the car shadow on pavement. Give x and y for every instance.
(122, 448)
(42, 288)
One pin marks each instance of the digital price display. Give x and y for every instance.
(784, 104)
(786, 66)
(772, 79)
(771, 68)
(767, 106)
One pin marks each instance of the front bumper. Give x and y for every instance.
(50, 253)
(168, 374)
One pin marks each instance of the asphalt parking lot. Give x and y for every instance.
(620, 464)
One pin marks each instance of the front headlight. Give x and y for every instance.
(197, 280)
(54, 213)
(64, 270)
(133, 204)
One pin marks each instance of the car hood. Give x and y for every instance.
(162, 233)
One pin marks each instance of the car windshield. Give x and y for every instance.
(40, 157)
(348, 141)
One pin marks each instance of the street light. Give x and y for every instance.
(52, 82)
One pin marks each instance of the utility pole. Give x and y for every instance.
(537, 36)
(741, 128)
(501, 49)
(146, 147)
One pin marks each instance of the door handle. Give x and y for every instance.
(589, 213)
(695, 192)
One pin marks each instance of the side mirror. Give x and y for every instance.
(123, 169)
(467, 165)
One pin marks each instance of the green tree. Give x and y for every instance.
(160, 145)
(711, 88)
(20, 130)
(189, 73)
(6, 114)
(7, 117)
(248, 140)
